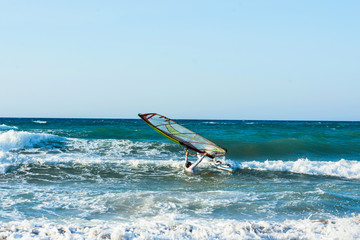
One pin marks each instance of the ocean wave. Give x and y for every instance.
(121, 148)
(39, 121)
(291, 147)
(13, 140)
(118, 162)
(29, 142)
(342, 168)
(169, 227)
(209, 122)
(219, 122)
(5, 127)
(349, 169)
(18, 148)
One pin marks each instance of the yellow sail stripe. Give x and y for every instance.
(172, 139)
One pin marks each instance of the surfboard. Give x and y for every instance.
(225, 167)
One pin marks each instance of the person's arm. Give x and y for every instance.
(186, 157)
(198, 161)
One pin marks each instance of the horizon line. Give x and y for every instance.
(197, 119)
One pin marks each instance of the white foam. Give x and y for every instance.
(8, 159)
(120, 148)
(4, 164)
(132, 155)
(136, 163)
(12, 140)
(343, 168)
(172, 226)
(5, 127)
(219, 122)
(39, 121)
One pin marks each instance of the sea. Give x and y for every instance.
(120, 179)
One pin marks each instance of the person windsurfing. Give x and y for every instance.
(189, 167)
(186, 138)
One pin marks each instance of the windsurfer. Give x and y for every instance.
(189, 167)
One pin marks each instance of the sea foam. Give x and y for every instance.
(40, 122)
(342, 168)
(121, 148)
(4, 164)
(166, 227)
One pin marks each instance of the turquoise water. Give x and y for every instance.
(124, 179)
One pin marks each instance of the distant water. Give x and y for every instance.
(119, 179)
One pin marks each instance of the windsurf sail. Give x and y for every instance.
(181, 135)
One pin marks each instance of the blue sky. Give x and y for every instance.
(266, 60)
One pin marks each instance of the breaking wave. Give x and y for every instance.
(20, 140)
(17, 147)
(5, 127)
(342, 168)
(13, 140)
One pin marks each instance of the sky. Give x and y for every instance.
(247, 60)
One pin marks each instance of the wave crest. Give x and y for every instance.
(39, 122)
(6, 127)
(343, 168)
(13, 140)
